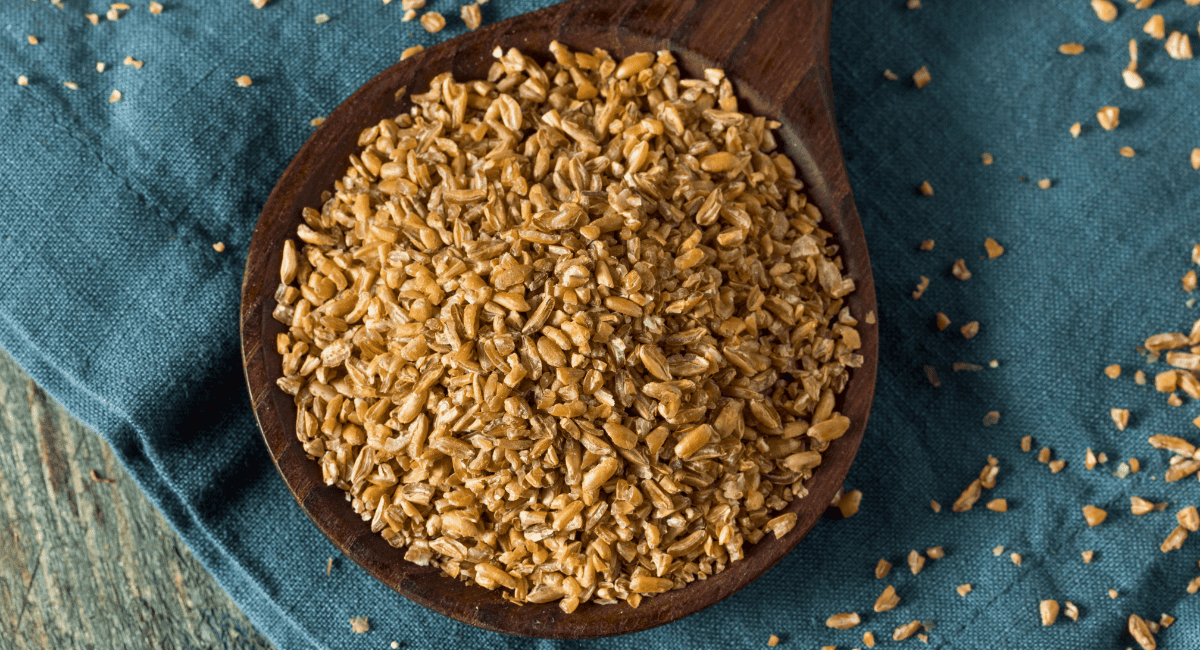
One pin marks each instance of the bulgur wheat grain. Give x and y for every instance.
(1048, 609)
(1094, 516)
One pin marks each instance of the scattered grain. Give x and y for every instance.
(990, 418)
(913, 4)
(916, 561)
(1056, 466)
(935, 506)
(869, 639)
(921, 287)
(843, 621)
(1195, 158)
(433, 22)
(1135, 465)
(321, 18)
(904, 631)
(1179, 46)
(994, 249)
(932, 376)
(998, 505)
(927, 245)
(1044, 455)
(987, 158)
(316, 121)
(1174, 540)
(998, 551)
(926, 188)
(1166, 620)
(1112, 593)
(1044, 183)
(1049, 612)
(1113, 371)
(1071, 611)
(890, 76)
(969, 496)
(416, 49)
(1094, 516)
(71, 85)
(1108, 117)
(1120, 417)
(970, 329)
(943, 321)
(935, 552)
(882, 569)
(1089, 459)
(959, 270)
(1076, 129)
(22, 80)
(360, 624)
(849, 503)
(1016, 558)
(1071, 49)
(156, 8)
(922, 77)
(259, 4)
(1139, 378)
(137, 65)
(1087, 556)
(1026, 443)
(1105, 10)
(1189, 281)
(963, 589)
(32, 39)
(1155, 27)
(887, 600)
(772, 640)
(1128, 152)
(1140, 506)
(93, 18)
(100, 66)
(1141, 633)
(244, 81)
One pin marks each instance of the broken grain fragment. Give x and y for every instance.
(932, 376)
(994, 249)
(1089, 459)
(1071, 611)
(869, 639)
(244, 81)
(916, 561)
(1094, 516)
(1056, 466)
(1026, 443)
(1181, 470)
(943, 321)
(316, 121)
(963, 589)
(992, 417)
(156, 8)
(904, 631)
(1189, 281)
(1189, 518)
(33, 40)
(887, 601)
(1120, 417)
(1044, 183)
(1196, 158)
(259, 4)
(1166, 620)
(970, 329)
(1134, 81)
(1076, 129)
(137, 65)
(1174, 540)
(71, 84)
(843, 621)
(1141, 633)
(922, 77)
(1049, 612)
(1015, 558)
(359, 624)
(1108, 117)
(1128, 152)
(882, 569)
(1113, 593)
(772, 641)
(1113, 371)
(987, 158)
(1135, 465)
(959, 270)
(937, 507)
(321, 18)
(998, 551)
(926, 188)
(890, 76)
(1044, 455)
(998, 505)
(1139, 506)
(22, 80)
(433, 22)
(1166, 381)
(1155, 27)
(219, 247)
(935, 552)
(1087, 556)
(93, 18)
(1179, 46)
(114, 97)
(849, 503)
(969, 496)
(921, 287)
(1139, 378)
(1105, 10)
(927, 245)
(1194, 585)
(1071, 49)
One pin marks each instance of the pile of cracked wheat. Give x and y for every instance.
(573, 331)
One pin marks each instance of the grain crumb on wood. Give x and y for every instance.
(882, 569)
(1105, 10)
(849, 503)
(1120, 417)
(927, 245)
(416, 49)
(916, 561)
(360, 624)
(922, 77)
(1048, 609)
(1026, 443)
(1109, 117)
(963, 589)
(1179, 46)
(1113, 371)
(244, 81)
(921, 287)
(904, 631)
(926, 188)
(1094, 516)
(992, 417)
(932, 376)
(887, 601)
(935, 506)
(890, 76)
(970, 329)
(1056, 466)
(843, 621)
(1141, 633)
(472, 16)
(959, 270)
(772, 640)
(1128, 152)
(987, 158)
(994, 249)
(1071, 49)
(99, 478)
(1087, 556)
(998, 505)
(943, 321)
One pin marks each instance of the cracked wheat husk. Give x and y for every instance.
(572, 331)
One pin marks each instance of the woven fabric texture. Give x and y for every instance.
(115, 302)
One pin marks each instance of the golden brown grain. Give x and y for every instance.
(987, 158)
(359, 624)
(156, 8)
(1094, 516)
(1016, 558)
(1128, 152)
(1140, 506)
(922, 77)
(1174, 540)
(22, 80)
(890, 76)
(849, 503)
(1113, 371)
(1026, 443)
(869, 639)
(935, 506)
(1120, 417)
(959, 270)
(921, 287)
(114, 96)
(1071, 611)
(1087, 556)
(410, 51)
(1195, 159)
(1108, 117)
(244, 81)
(969, 496)
(932, 376)
(943, 321)
(1141, 633)
(1076, 129)
(970, 329)
(916, 561)
(998, 551)
(882, 569)
(843, 621)
(963, 589)
(904, 631)
(990, 418)
(1044, 183)
(887, 600)
(1113, 593)
(1071, 49)
(1155, 27)
(1189, 518)
(998, 505)
(1134, 81)
(1048, 609)
(926, 188)
(433, 22)
(1105, 10)
(1139, 378)
(994, 249)
(472, 16)
(935, 552)
(927, 245)
(1179, 46)
(71, 85)
(772, 641)
(1044, 455)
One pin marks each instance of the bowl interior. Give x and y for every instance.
(324, 158)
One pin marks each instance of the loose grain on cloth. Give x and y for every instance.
(115, 301)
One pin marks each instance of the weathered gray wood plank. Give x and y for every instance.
(86, 564)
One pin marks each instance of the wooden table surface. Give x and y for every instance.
(87, 564)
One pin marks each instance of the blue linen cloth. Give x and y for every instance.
(113, 299)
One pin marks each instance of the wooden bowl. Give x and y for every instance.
(777, 54)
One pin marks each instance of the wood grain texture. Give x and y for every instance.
(86, 564)
(776, 52)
